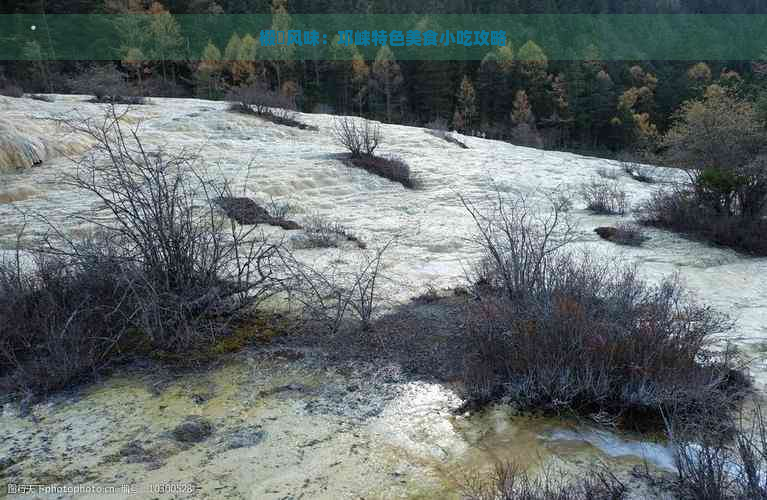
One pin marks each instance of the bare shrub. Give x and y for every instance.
(429, 296)
(359, 137)
(629, 234)
(679, 209)
(438, 124)
(393, 168)
(668, 206)
(194, 271)
(329, 295)
(608, 173)
(520, 242)
(257, 98)
(638, 172)
(106, 83)
(279, 209)
(438, 128)
(605, 197)
(260, 100)
(560, 331)
(62, 320)
(286, 116)
(320, 232)
(449, 137)
(721, 466)
(512, 482)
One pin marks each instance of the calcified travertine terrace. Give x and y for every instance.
(317, 439)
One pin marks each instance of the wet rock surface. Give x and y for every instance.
(268, 426)
(273, 427)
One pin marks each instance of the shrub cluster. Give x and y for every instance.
(322, 233)
(608, 173)
(164, 271)
(61, 320)
(107, 85)
(258, 99)
(718, 140)
(605, 197)
(361, 138)
(393, 168)
(328, 296)
(560, 331)
(438, 128)
(447, 136)
(723, 466)
(511, 482)
(279, 209)
(679, 209)
(638, 172)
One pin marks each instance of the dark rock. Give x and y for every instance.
(607, 233)
(624, 234)
(193, 430)
(133, 448)
(245, 211)
(246, 437)
(133, 453)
